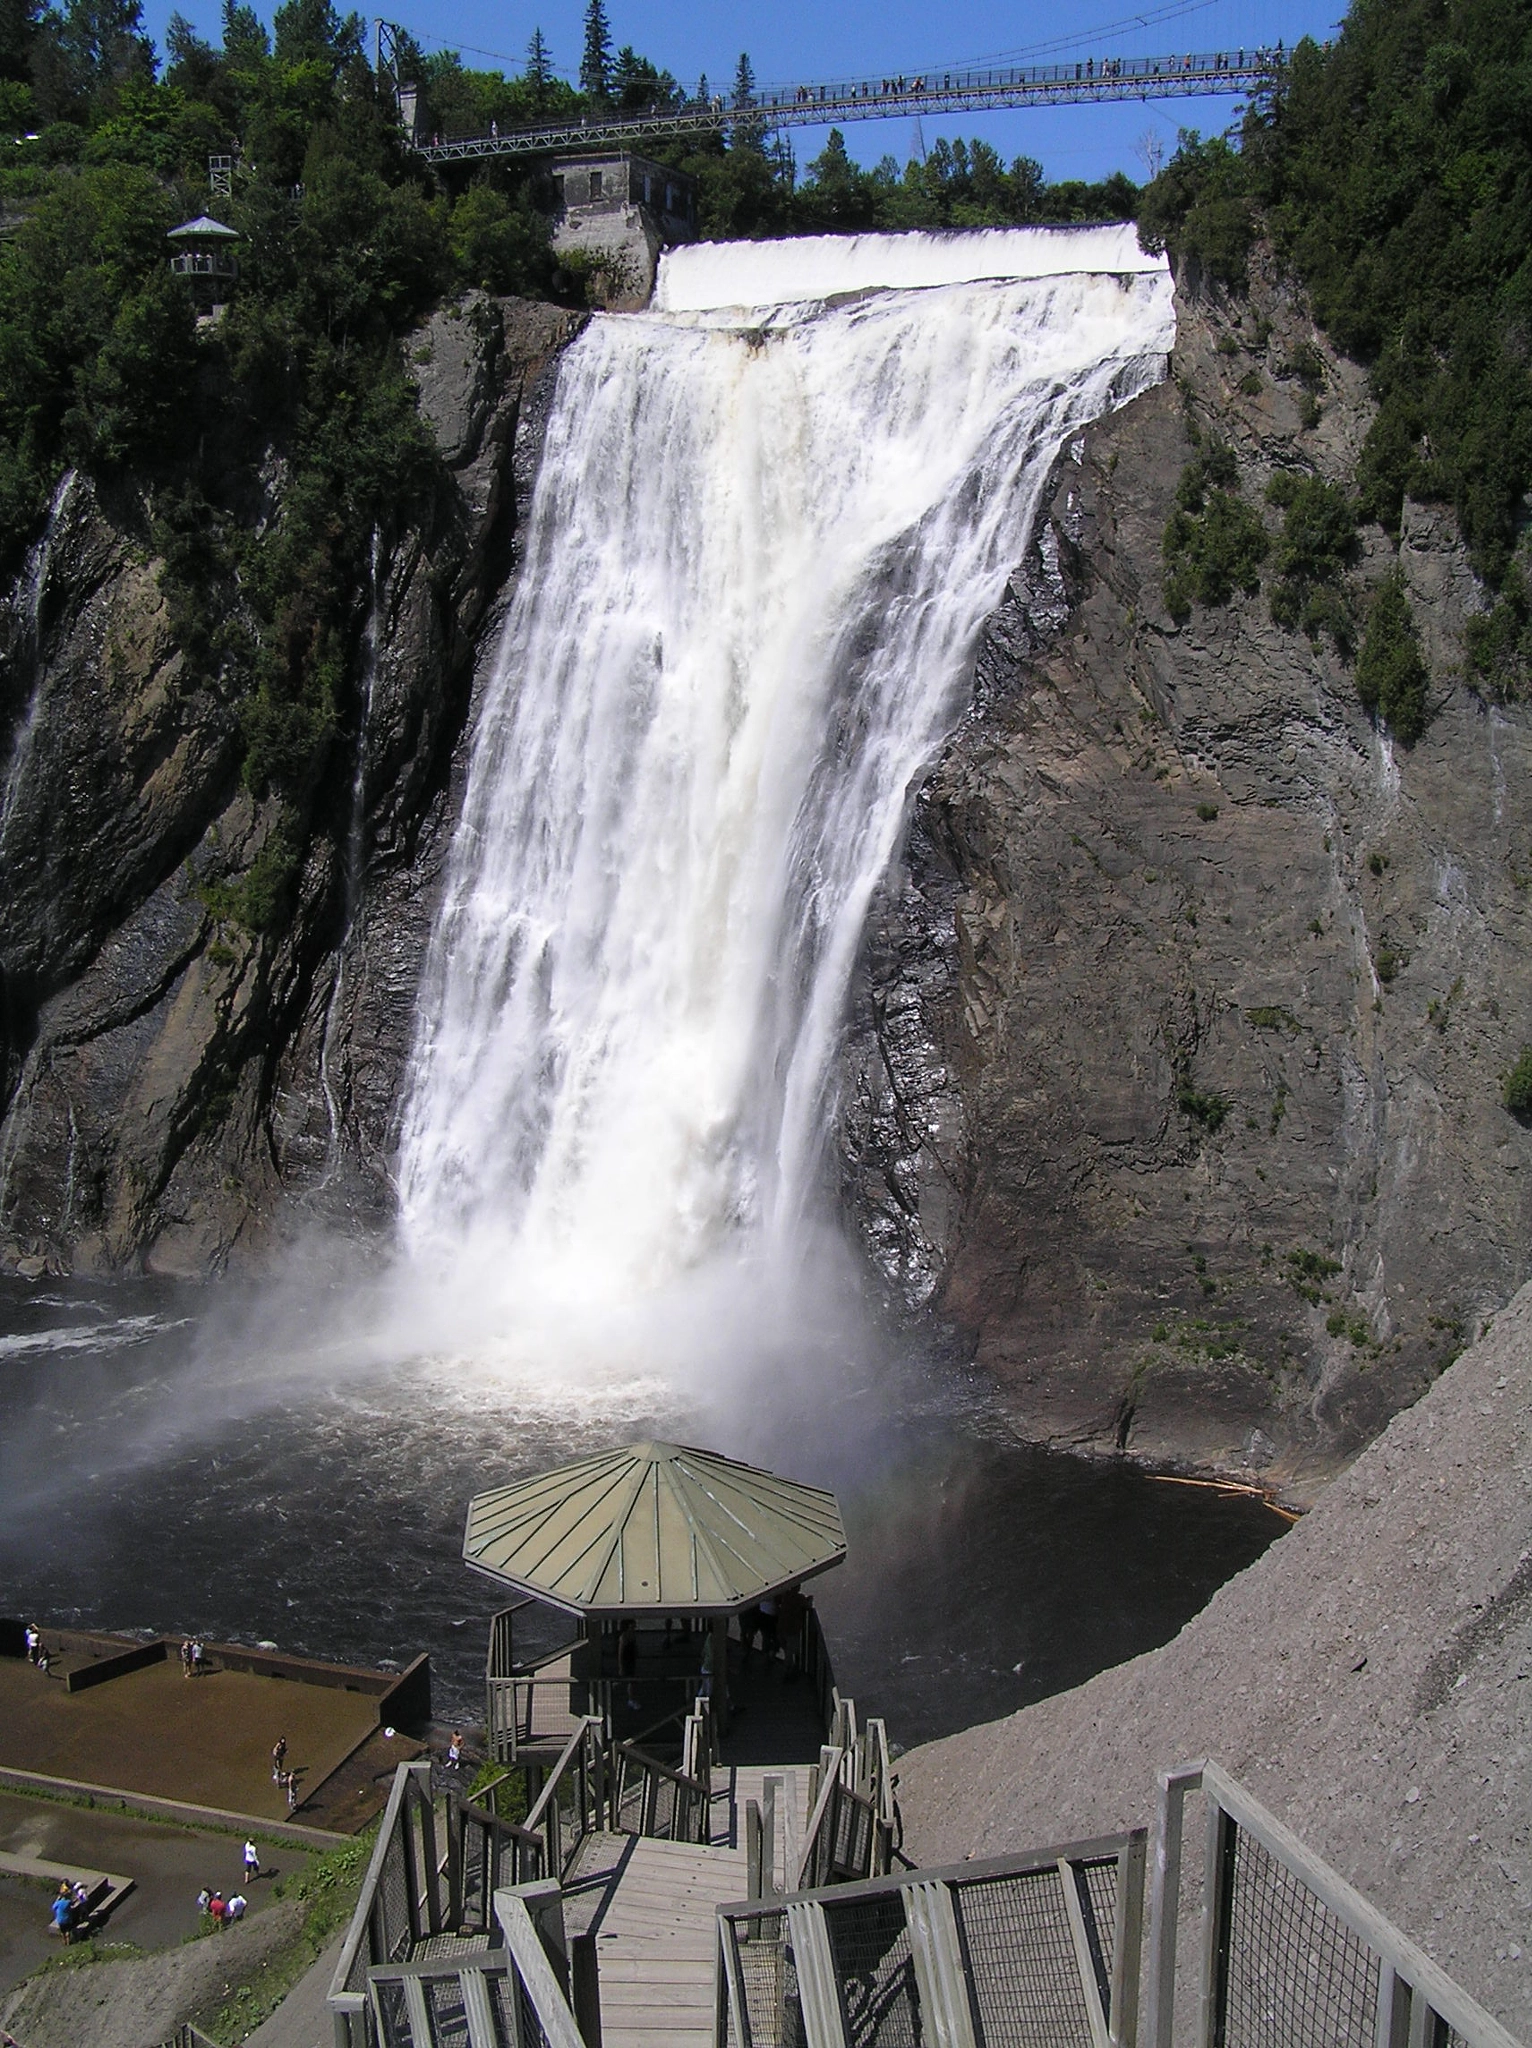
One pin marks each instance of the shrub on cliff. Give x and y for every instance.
(1213, 543)
(1391, 676)
(1517, 1095)
(1500, 642)
(1199, 209)
(1317, 544)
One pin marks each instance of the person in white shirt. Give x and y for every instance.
(252, 1863)
(234, 1909)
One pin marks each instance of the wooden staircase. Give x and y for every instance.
(651, 1907)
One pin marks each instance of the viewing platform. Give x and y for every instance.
(117, 1715)
(665, 1857)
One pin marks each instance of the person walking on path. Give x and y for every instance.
(290, 1785)
(34, 1642)
(252, 1863)
(278, 1759)
(196, 1657)
(186, 1657)
(216, 1909)
(234, 1910)
(455, 1753)
(63, 1913)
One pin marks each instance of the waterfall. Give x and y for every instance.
(356, 850)
(765, 535)
(34, 583)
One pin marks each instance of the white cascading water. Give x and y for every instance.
(765, 535)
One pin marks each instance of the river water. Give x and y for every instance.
(171, 1459)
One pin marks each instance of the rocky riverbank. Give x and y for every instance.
(1369, 1679)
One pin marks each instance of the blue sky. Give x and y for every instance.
(797, 41)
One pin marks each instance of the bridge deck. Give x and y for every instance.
(1088, 79)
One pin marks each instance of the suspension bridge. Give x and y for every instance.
(1083, 80)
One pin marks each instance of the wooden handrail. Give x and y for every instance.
(653, 1764)
(571, 1749)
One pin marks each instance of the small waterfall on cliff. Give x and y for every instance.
(356, 850)
(34, 594)
(766, 533)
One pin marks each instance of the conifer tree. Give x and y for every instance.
(744, 83)
(539, 65)
(596, 62)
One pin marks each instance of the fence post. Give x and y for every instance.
(938, 1959)
(753, 1859)
(1165, 1903)
(824, 2024)
(770, 1787)
(1127, 1943)
(1217, 1896)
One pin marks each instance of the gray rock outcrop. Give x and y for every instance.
(1175, 1080)
(175, 1089)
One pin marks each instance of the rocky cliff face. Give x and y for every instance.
(175, 1089)
(1176, 1077)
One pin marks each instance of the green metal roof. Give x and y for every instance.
(657, 1527)
(203, 229)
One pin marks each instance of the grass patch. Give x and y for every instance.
(328, 1890)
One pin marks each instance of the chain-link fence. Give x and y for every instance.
(1291, 1955)
(1024, 1952)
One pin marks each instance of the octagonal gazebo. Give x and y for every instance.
(660, 1531)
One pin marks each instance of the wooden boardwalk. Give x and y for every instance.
(652, 1907)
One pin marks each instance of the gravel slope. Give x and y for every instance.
(1369, 1679)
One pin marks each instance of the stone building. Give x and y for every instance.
(617, 212)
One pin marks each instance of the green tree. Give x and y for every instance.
(1391, 675)
(596, 56)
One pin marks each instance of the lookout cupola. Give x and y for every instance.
(204, 249)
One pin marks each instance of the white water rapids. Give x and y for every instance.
(759, 555)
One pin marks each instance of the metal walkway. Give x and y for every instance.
(1189, 76)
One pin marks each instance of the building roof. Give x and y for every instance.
(203, 229)
(654, 1527)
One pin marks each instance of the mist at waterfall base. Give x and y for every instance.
(765, 534)
(163, 1470)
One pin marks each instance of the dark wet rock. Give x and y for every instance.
(176, 1092)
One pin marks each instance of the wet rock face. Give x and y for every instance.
(174, 1091)
(1175, 1077)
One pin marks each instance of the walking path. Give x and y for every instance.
(652, 1907)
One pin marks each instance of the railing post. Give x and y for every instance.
(1127, 1942)
(824, 2023)
(938, 1958)
(752, 1850)
(1165, 1903)
(1217, 1896)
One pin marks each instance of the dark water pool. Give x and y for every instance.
(157, 1471)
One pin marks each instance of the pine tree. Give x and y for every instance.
(596, 63)
(246, 44)
(539, 66)
(744, 83)
(702, 91)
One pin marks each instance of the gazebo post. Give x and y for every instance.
(720, 1686)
